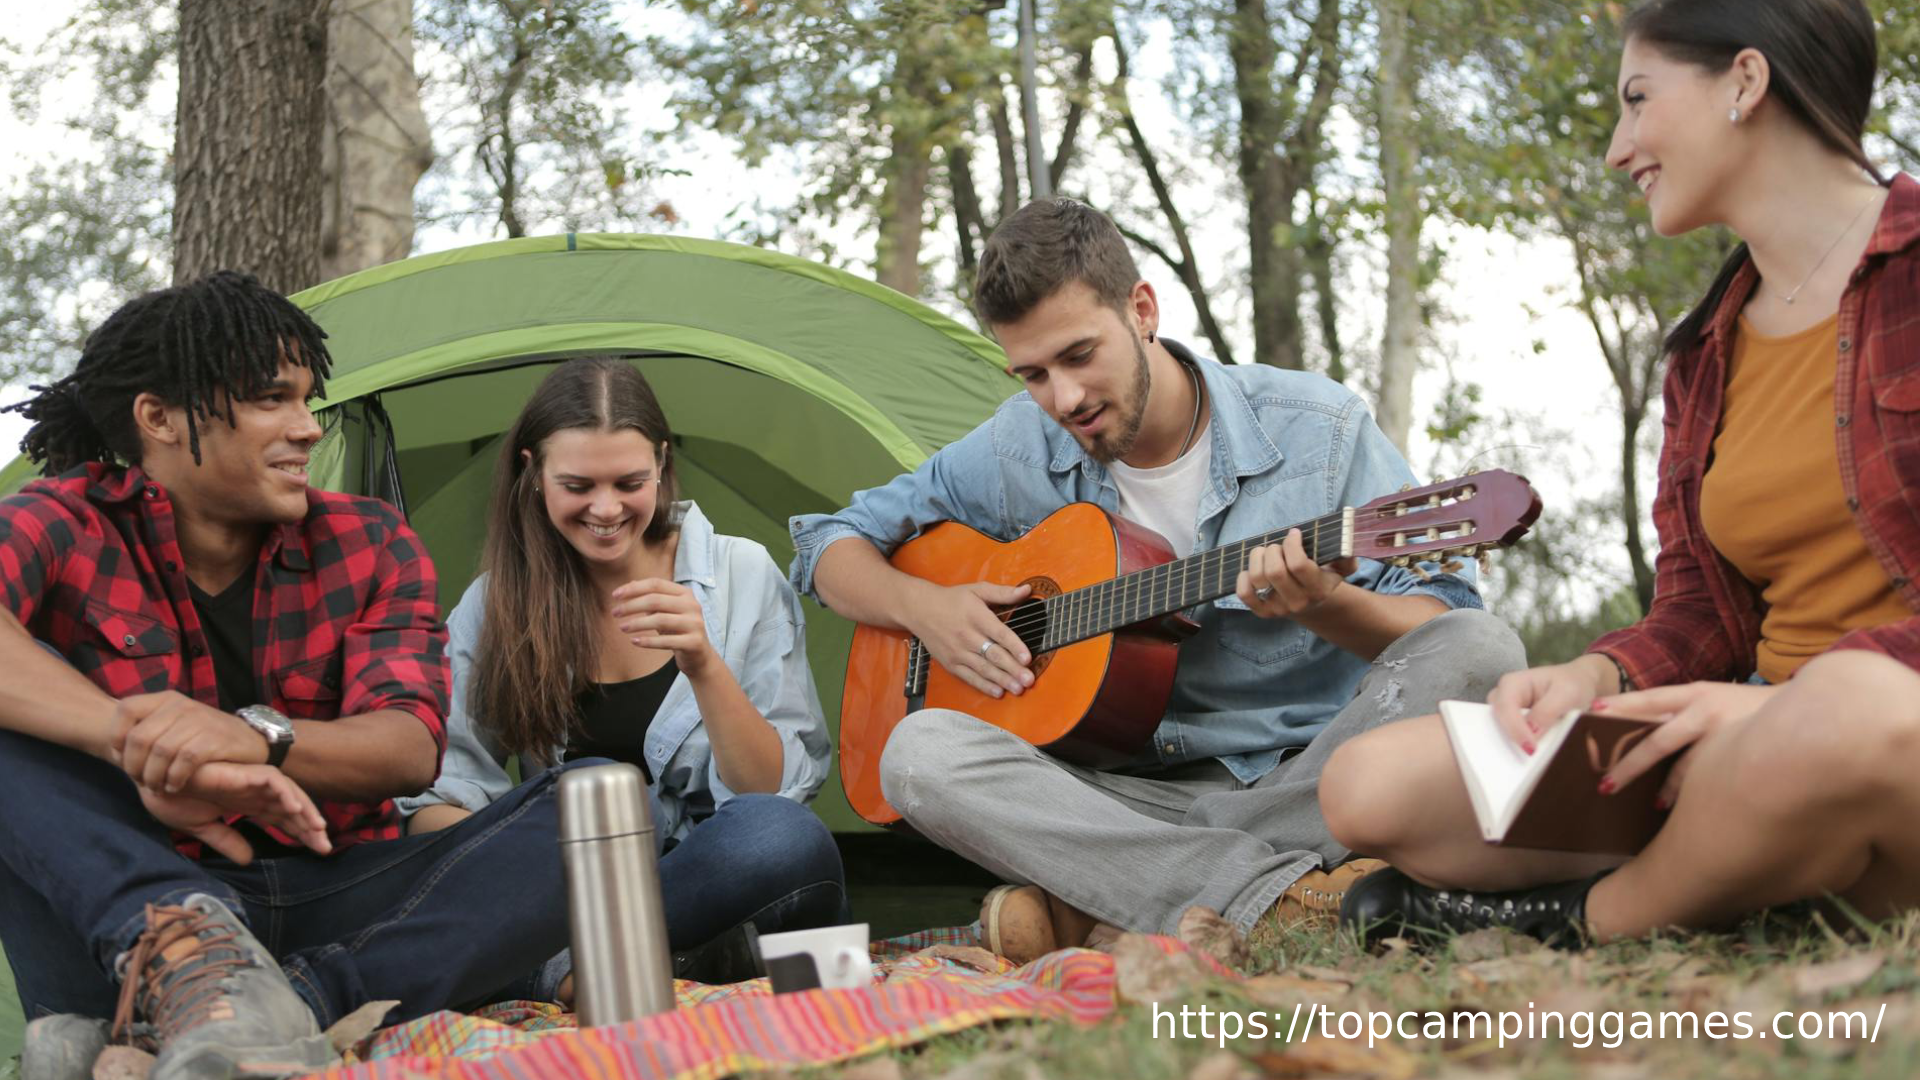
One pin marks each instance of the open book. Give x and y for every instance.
(1550, 799)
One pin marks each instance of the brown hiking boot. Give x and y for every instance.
(1314, 899)
(219, 1005)
(1025, 922)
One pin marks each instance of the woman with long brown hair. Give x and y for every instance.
(1781, 648)
(611, 622)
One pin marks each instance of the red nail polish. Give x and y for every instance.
(1606, 785)
(1527, 746)
(1663, 803)
(1597, 706)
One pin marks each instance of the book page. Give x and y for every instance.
(1497, 772)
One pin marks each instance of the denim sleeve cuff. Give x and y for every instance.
(813, 534)
(447, 792)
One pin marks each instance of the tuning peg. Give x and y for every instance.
(1452, 566)
(1406, 487)
(1420, 572)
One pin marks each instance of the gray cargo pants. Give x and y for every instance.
(1137, 849)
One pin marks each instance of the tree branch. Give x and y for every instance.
(1076, 111)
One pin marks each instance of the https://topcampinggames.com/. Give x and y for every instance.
(1580, 1028)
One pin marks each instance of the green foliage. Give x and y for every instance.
(525, 92)
(89, 228)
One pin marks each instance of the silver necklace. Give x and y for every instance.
(1193, 374)
(1835, 246)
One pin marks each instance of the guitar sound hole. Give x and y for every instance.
(1029, 621)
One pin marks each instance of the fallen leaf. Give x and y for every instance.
(122, 1063)
(1146, 973)
(1509, 969)
(1281, 991)
(1819, 980)
(1329, 974)
(1207, 932)
(874, 1068)
(350, 1030)
(968, 956)
(1490, 943)
(1222, 1065)
(1339, 1057)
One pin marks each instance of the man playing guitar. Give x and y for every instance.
(1220, 810)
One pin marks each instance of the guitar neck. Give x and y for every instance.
(1175, 586)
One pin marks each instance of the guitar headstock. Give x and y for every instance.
(1461, 517)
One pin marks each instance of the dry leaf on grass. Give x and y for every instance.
(351, 1029)
(122, 1063)
(1206, 931)
(1146, 974)
(1223, 1065)
(1491, 943)
(1327, 973)
(968, 956)
(1339, 1057)
(1282, 991)
(1514, 969)
(1819, 980)
(874, 1068)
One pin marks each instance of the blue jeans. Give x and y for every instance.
(434, 921)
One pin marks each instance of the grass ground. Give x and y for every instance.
(1799, 966)
(1774, 965)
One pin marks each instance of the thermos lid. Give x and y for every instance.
(603, 801)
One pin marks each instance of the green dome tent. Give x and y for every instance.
(789, 385)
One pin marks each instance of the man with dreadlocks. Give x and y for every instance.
(175, 592)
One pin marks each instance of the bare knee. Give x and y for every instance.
(1358, 796)
(1845, 730)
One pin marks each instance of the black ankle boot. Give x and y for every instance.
(1388, 902)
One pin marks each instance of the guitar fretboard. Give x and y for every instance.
(1172, 586)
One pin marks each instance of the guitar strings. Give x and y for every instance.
(1322, 527)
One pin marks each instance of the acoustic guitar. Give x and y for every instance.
(1103, 621)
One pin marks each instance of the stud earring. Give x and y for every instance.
(1733, 115)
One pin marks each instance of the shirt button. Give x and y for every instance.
(1853, 504)
(1842, 420)
(152, 492)
(171, 567)
(1846, 344)
(199, 650)
(127, 641)
(1171, 748)
(1899, 583)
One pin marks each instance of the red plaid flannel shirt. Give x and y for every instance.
(1705, 622)
(345, 619)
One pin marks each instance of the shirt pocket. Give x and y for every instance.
(129, 652)
(1899, 392)
(1261, 641)
(129, 634)
(310, 690)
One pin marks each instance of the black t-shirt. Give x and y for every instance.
(614, 717)
(227, 620)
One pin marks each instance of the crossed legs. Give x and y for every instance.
(1811, 796)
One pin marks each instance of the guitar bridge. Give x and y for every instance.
(918, 660)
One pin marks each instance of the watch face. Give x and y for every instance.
(267, 720)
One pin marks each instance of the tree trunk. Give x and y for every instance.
(1003, 145)
(1319, 252)
(247, 140)
(1276, 306)
(903, 201)
(1630, 420)
(968, 225)
(1399, 157)
(377, 144)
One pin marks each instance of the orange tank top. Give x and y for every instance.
(1772, 502)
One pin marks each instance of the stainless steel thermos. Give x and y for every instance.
(622, 967)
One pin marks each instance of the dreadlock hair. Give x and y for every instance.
(224, 332)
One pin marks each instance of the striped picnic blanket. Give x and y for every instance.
(720, 1030)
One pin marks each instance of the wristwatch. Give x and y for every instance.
(272, 724)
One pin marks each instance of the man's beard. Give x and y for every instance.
(1110, 446)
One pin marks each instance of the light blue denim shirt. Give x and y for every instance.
(1288, 446)
(755, 623)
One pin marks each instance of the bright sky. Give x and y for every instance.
(1500, 295)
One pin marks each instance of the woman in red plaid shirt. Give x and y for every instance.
(1782, 645)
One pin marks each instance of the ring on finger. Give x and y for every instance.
(1264, 592)
(986, 647)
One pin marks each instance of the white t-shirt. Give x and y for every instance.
(1167, 499)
